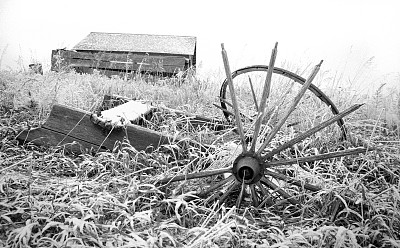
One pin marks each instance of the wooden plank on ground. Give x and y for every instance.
(67, 124)
(47, 137)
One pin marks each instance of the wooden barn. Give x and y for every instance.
(122, 54)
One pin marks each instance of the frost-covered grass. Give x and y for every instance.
(52, 199)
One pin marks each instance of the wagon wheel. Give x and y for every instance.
(254, 171)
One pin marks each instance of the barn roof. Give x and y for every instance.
(122, 42)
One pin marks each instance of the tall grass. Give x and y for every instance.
(52, 199)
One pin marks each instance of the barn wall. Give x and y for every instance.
(119, 61)
(191, 58)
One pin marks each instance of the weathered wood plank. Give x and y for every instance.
(46, 137)
(124, 66)
(130, 62)
(66, 124)
(135, 58)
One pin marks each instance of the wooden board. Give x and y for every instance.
(114, 61)
(72, 128)
(124, 66)
(127, 57)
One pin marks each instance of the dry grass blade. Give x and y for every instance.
(265, 95)
(233, 97)
(291, 108)
(15, 164)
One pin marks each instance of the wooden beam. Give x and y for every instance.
(66, 125)
(116, 61)
(127, 57)
(43, 136)
(102, 56)
(121, 66)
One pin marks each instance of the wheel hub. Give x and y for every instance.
(248, 168)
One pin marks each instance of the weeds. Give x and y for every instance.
(111, 199)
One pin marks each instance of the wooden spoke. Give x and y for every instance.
(227, 192)
(312, 131)
(254, 94)
(234, 100)
(216, 186)
(265, 95)
(296, 100)
(195, 175)
(314, 158)
(283, 193)
(292, 181)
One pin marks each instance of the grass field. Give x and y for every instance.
(49, 198)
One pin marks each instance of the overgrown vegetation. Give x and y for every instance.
(49, 198)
